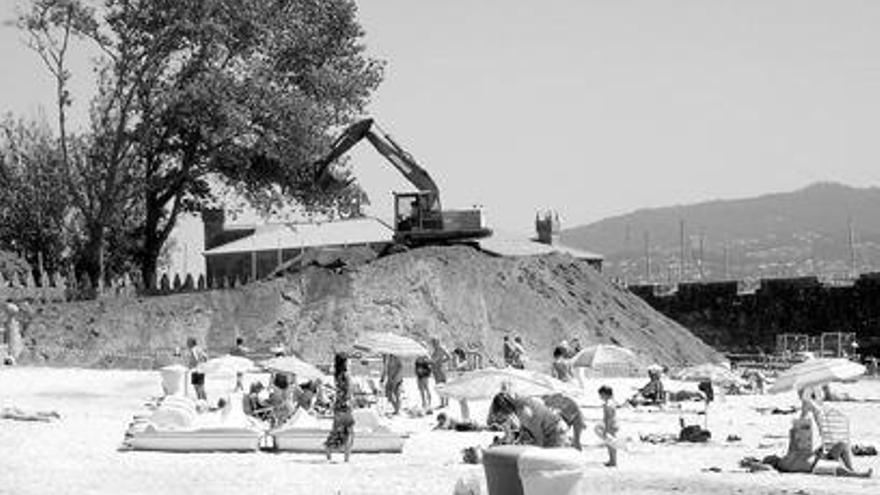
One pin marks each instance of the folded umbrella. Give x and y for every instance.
(817, 372)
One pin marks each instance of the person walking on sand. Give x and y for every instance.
(195, 356)
(423, 367)
(607, 431)
(341, 435)
(439, 357)
(392, 375)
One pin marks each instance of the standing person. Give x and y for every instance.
(609, 428)
(575, 347)
(341, 435)
(439, 357)
(518, 358)
(507, 351)
(195, 356)
(561, 369)
(423, 367)
(392, 375)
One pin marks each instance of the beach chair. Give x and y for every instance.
(834, 430)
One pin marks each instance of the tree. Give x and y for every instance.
(94, 186)
(34, 203)
(245, 93)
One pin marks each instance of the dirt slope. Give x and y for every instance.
(459, 294)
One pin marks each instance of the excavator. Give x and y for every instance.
(419, 219)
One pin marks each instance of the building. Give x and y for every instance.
(547, 228)
(251, 252)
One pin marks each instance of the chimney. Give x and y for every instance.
(213, 220)
(547, 227)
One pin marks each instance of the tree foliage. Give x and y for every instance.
(244, 93)
(34, 204)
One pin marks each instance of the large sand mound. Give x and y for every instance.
(465, 297)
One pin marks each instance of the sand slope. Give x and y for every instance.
(462, 295)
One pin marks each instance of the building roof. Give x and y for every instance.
(362, 230)
(504, 244)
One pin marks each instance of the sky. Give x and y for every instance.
(597, 108)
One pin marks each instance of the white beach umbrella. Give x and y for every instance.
(227, 364)
(599, 355)
(390, 343)
(295, 365)
(710, 372)
(816, 372)
(485, 383)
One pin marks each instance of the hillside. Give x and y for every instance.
(463, 296)
(804, 232)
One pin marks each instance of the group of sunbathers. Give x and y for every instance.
(284, 398)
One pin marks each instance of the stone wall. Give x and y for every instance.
(734, 320)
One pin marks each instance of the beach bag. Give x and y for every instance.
(694, 433)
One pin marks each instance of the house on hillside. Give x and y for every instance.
(251, 252)
(546, 241)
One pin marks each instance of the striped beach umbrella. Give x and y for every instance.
(486, 382)
(817, 372)
(389, 343)
(296, 366)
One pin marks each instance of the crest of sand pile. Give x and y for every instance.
(462, 295)
(468, 298)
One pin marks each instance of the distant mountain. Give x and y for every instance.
(804, 232)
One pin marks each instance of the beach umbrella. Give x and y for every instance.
(389, 343)
(710, 372)
(816, 372)
(599, 355)
(485, 383)
(294, 365)
(227, 364)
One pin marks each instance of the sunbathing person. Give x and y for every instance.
(652, 394)
(813, 410)
(444, 422)
(21, 415)
(281, 400)
(253, 403)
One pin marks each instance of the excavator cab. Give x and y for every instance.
(417, 211)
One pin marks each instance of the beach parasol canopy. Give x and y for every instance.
(485, 383)
(390, 343)
(599, 355)
(296, 366)
(710, 372)
(227, 364)
(817, 372)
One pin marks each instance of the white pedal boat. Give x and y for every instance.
(372, 434)
(175, 426)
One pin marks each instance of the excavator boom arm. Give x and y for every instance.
(394, 153)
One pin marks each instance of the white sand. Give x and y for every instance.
(79, 453)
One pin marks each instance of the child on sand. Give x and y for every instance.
(608, 429)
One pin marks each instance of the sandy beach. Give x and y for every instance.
(80, 453)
